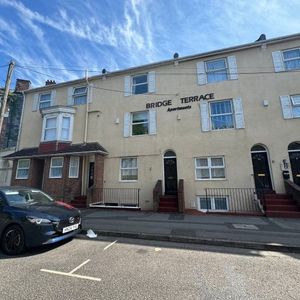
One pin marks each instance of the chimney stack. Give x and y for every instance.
(22, 85)
(50, 82)
(262, 37)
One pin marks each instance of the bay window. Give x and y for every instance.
(57, 127)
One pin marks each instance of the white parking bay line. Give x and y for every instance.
(109, 245)
(79, 266)
(71, 275)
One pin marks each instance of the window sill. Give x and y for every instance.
(55, 177)
(212, 179)
(225, 129)
(128, 181)
(217, 82)
(19, 178)
(213, 210)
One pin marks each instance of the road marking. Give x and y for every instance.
(109, 245)
(71, 275)
(157, 249)
(79, 266)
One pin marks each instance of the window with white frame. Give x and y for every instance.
(44, 100)
(74, 167)
(295, 99)
(221, 114)
(57, 127)
(291, 59)
(140, 123)
(65, 128)
(213, 203)
(216, 70)
(56, 167)
(139, 84)
(23, 169)
(208, 168)
(129, 169)
(50, 128)
(80, 95)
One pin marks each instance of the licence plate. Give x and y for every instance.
(70, 228)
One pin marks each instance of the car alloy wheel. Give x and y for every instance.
(13, 240)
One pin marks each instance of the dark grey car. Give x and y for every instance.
(29, 217)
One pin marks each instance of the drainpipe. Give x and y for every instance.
(87, 107)
(21, 121)
(84, 159)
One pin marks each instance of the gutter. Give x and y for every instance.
(56, 154)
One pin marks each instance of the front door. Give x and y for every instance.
(39, 169)
(91, 174)
(295, 166)
(170, 167)
(261, 170)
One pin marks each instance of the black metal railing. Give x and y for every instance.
(293, 189)
(115, 197)
(232, 200)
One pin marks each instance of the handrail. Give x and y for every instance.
(293, 189)
(180, 194)
(157, 193)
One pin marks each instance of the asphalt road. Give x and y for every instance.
(139, 269)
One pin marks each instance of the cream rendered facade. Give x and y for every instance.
(257, 84)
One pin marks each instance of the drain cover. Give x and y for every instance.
(245, 226)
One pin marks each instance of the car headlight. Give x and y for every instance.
(38, 221)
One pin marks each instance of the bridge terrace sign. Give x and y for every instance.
(183, 100)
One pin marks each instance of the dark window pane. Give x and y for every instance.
(138, 129)
(220, 203)
(140, 89)
(294, 146)
(140, 79)
(258, 148)
(205, 203)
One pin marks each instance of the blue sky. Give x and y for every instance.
(60, 39)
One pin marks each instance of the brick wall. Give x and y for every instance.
(64, 188)
(33, 176)
(10, 128)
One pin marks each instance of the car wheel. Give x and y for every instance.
(13, 240)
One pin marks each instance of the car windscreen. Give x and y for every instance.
(26, 197)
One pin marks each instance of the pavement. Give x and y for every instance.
(260, 233)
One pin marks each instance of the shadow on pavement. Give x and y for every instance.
(35, 250)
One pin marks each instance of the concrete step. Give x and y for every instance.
(168, 197)
(282, 208)
(173, 204)
(278, 196)
(283, 214)
(280, 202)
(168, 209)
(168, 205)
